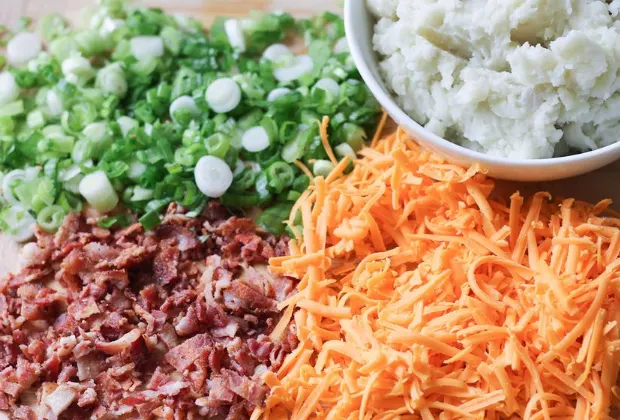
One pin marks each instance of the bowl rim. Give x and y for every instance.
(392, 108)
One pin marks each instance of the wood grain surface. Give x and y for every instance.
(591, 187)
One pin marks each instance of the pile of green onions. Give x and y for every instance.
(143, 108)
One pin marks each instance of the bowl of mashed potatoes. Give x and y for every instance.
(529, 89)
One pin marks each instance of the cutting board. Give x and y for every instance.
(591, 187)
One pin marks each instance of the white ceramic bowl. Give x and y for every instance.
(359, 28)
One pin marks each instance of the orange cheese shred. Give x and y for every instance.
(422, 297)
(325, 141)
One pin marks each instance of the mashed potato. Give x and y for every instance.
(512, 78)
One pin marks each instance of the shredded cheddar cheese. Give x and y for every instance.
(420, 297)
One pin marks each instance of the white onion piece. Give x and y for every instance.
(32, 172)
(322, 167)
(276, 52)
(23, 47)
(95, 131)
(213, 176)
(126, 124)
(344, 149)
(223, 95)
(9, 90)
(146, 47)
(329, 85)
(110, 25)
(76, 68)
(277, 93)
(21, 223)
(234, 33)
(136, 169)
(255, 139)
(181, 103)
(141, 194)
(54, 103)
(302, 64)
(70, 172)
(98, 191)
(341, 46)
(73, 185)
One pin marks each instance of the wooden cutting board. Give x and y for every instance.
(591, 187)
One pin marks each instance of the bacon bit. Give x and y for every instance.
(451, 305)
(182, 356)
(59, 400)
(97, 311)
(117, 346)
(88, 397)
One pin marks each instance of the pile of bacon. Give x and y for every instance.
(171, 324)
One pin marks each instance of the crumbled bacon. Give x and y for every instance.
(147, 324)
(185, 238)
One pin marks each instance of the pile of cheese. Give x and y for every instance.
(419, 295)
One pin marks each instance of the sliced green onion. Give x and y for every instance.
(18, 222)
(277, 53)
(9, 182)
(98, 191)
(82, 151)
(217, 145)
(50, 218)
(183, 104)
(223, 95)
(139, 99)
(7, 126)
(255, 139)
(54, 103)
(354, 135)
(150, 219)
(77, 70)
(272, 219)
(344, 149)
(22, 48)
(302, 65)
(111, 80)
(280, 176)
(235, 35)
(12, 108)
(141, 194)
(9, 91)
(172, 38)
(239, 200)
(277, 93)
(328, 85)
(136, 170)
(322, 167)
(127, 124)
(341, 46)
(120, 220)
(70, 203)
(145, 47)
(213, 176)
